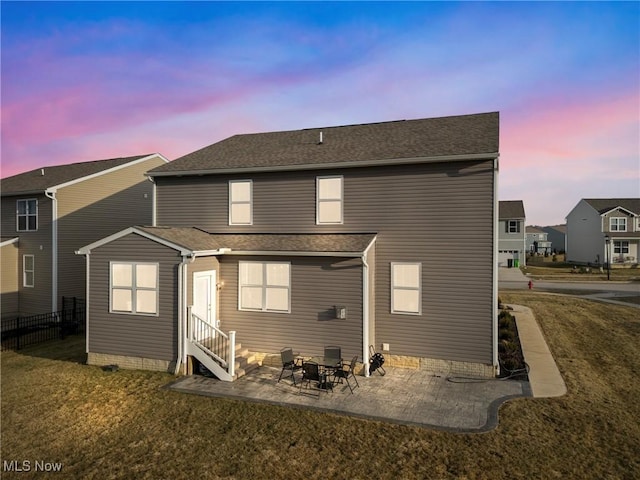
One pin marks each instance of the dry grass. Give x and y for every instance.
(566, 272)
(103, 425)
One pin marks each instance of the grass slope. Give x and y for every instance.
(103, 425)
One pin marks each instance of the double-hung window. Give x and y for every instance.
(27, 215)
(329, 200)
(240, 202)
(618, 224)
(134, 288)
(621, 247)
(513, 226)
(406, 288)
(264, 286)
(28, 270)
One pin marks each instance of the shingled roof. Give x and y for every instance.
(387, 142)
(40, 179)
(510, 209)
(604, 205)
(197, 240)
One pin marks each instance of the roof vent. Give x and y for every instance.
(320, 142)
(42, 172)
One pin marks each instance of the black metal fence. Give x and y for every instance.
(20, 332)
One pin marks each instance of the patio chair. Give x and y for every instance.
(311, 373)
(347, 371)
(289, 363)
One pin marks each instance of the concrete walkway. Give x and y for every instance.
(544, 377)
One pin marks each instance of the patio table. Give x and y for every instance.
(328, 364)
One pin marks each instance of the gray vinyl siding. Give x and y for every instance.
(37, 243)
(438, 214)
(134, 335)
(317, 285)
(94, 209)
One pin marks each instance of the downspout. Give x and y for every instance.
(54, 248)
(494, 312)
(86, 307)
(365, 310)
(182, 307)
(153, 202)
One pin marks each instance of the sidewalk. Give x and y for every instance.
(412, 397)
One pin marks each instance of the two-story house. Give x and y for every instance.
(601, 230)
(557, 235)
(512, 246)
(536, 241)
(379, 234)
(50, 212)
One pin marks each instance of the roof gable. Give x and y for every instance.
(604, 205)
(510, 209)
(386, 142)
(41, 179)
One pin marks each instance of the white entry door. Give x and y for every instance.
(204, 296)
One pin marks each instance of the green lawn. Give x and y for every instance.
(102, 425)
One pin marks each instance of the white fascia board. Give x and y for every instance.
(285, 253)
(9, 242)
(87, 249)
(54, 188)
(619, 208)
(333, 165)
(371, 244)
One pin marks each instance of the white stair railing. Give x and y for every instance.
(213, 341)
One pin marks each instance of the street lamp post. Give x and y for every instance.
(607, 241)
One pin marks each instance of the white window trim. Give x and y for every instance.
(25, 271)
(264, 287)
(243, 202)
(134, 288)
(319, 200)
(617, 224)
(622, 244)
(26, 215)
(419, 289)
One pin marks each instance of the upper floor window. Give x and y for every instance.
(618, 224)
(329, 200)
(27, 215)
(134, 288)
(406, 288)
(28, 270)
(513, 226)
(240, 202)
(264, 286)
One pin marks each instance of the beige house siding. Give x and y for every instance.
(96, 208)
(9, 305)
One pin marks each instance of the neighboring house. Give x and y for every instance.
(50, 212)
(511, 234)
(557, 235)
(597, 222)
(377, 234)
(537, 241)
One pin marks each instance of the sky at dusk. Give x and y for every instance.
(94, 80)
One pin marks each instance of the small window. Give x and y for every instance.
(134, 288)
(329, 194)
(406, 288)
(264, 286)
(513, 226)
(28, 270)
(240, 202)
(621, 247)
(27, 215)
(618, 224)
